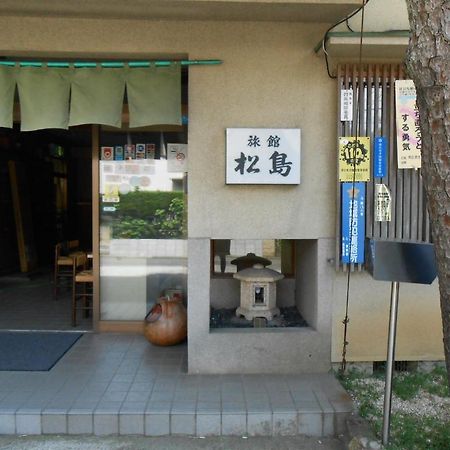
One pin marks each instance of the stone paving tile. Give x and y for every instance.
(119, 384)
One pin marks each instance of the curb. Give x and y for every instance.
(359, 435)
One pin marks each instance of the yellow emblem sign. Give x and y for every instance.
(354, 159)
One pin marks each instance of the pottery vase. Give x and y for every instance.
(166, 323)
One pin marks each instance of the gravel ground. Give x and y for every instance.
(423, 404)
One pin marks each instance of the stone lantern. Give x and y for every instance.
(258, 292)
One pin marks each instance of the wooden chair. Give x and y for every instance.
(82, 288)
(64, 263)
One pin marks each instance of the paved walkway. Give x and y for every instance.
(168, 443)
(110, 384)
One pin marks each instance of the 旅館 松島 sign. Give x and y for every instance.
(263, 156)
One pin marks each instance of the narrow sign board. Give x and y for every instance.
(353, 222)
(382, 203)
(263, 156)
(409, 139)
(346, 105)
(380, 157)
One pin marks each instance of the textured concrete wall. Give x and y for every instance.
(270, 77)
(306, 280)
(419, 330)
(381, 15)
(254, 350)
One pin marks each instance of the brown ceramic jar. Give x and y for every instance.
(166, 323)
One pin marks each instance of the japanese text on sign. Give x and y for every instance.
(354, 159)
(409, 139)
(346, 105)
(353, 222)
(380, 157)
(262, 156)
(382, 203)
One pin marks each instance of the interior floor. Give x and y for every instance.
(27, 303)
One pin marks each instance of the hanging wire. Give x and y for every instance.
(357, 133)
(325, 36)
(348, 26)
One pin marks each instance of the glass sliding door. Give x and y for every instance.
(143, 220)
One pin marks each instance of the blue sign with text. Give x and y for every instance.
(353, 221)
(380, 157)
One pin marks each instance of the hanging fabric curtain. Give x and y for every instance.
(97, 97)
(44, 98)
(57, 97)
(154, 96)
(7, 88)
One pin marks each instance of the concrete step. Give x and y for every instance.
(110, 384)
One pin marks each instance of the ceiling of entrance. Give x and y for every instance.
(235, 10)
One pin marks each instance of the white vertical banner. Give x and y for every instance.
(383, 203)
(346, 105)
(409, 139)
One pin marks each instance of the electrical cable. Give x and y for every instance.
(325, 36)
(357, 133)
(348, 26)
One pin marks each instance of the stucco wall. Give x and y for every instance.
(381, 15)
(419, 329)
(270, 77)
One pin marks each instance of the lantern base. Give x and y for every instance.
(250, 314)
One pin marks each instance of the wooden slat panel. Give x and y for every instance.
(392, 154)
(374, 115)
(385, 131)
(341, 84)
(370, 106)
(420, 208)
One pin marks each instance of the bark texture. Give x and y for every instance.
(428, 64)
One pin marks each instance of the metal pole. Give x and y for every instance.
(111, 64)
(395, 286)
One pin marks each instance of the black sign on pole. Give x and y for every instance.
(397, 261)
(409, 262)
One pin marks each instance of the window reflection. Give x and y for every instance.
(143, 217)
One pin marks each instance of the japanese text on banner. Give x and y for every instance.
(409, 139)
(353, 222)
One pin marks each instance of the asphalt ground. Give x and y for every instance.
(167, 443)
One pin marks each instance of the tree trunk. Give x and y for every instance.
(428, 63)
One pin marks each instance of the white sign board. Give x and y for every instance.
(177, 160)
(263, 156)
(409, 138)
(347, 105)
(383, 203)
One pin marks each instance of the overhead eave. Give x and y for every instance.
(376, 45)
(327, 11)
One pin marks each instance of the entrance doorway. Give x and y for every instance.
(45, 199)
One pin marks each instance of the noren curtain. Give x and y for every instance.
(60, 97)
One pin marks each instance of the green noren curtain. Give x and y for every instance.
(63, 97)
(97, 97)
(7, 87)
(44, 98)
(154, 96)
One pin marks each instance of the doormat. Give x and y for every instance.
(37, 351)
